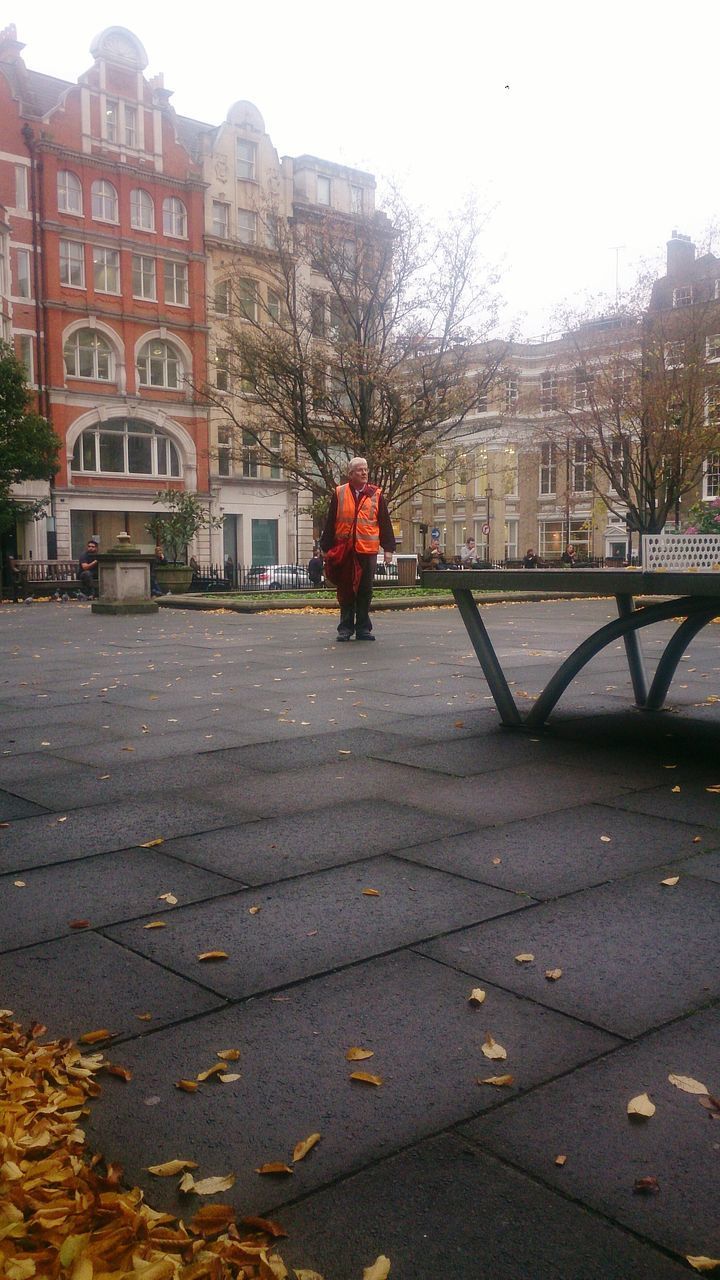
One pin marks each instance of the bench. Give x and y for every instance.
(42, 577)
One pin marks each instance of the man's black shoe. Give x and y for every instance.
(364, 635)
(342, 636)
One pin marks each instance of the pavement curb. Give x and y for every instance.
(379, 605)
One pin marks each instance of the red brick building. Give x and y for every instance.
(107, 285)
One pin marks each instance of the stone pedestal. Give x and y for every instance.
(124, 580)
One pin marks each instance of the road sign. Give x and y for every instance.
(485, 528)
(434, 533)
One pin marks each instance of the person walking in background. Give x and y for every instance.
(357, 526)
(315, 568)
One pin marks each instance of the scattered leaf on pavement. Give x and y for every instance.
(641, 1106)
(500, 1082)
(355, 1054)
(187, 1086)
(552, 975)
(253, 911)
(560, 1160)
(492, 1049)
(646, 1186)
(94, 1037)
(168, 897)
(307, 1144)
(152, 844)
(371, 893)
(171, 1167)
(365, 1077)
(114, 1069)
(687, 1084)
(274, 1166)
(701, 1263)
(211, 1219)
(525, 957)
(215, 1070)
(155, 924)
(213, 955)
(380, 1269)
(477, 995)
(211, 1186)
(262, 1224)
(228, 1055)
(229, 1077)
(671, 880)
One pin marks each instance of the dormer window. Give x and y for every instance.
(246, 160)
(323, 189)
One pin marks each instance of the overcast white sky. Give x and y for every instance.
(581, 126)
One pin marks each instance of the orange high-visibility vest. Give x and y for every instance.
(367, 531)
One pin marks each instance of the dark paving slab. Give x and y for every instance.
(446, 1209)
(271, 849)
(102, 890)
(634, 954)
(512, 792)
(295, 1081)
(584, 1117)
(279, 757)
(85, 982)
(692, 803)
(706, 865)
(157, 746)
(13, 807)
(312, 924)
(562, 852)
(40, 841)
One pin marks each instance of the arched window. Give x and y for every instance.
(88, 355)
(104, 201)
(69, 192)
(159, 365)
(142, 210)
(125, 446)
(174, 217)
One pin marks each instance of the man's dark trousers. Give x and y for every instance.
(356, 617)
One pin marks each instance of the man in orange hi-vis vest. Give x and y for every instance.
(357, 526)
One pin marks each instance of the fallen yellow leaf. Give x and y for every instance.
(605, 839)
(714, 790)
(355, 1054)
(169, 898)
(208, 1186)
(492, 1049)
(171, 1167)
(229, 1055)
(253, 911)
(525, 957)
(229, 1077)
(188, 1086)
(215, 1070)
(676, 789)
(94, 1037)
(552, 975)
(641, 1106)
(560, 1160)
(671, 880)
(380, 1269)
(155, 924)
(213, 955)
(274, 1166)
(477, 995)
(371, 893)
(702, 1264)
(365, 1077)
(344, 753)
(307, 1144)
(500, 1082)
(152, 844)
(687, 1084)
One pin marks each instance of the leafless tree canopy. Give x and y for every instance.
(356, 336)
(644, 399)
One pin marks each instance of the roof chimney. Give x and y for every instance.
(680, 256)
(10, 46)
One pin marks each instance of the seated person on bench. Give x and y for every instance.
(88, 569)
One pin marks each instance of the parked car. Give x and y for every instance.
(276, 577)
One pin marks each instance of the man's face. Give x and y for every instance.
(92, 546)
(358, 475)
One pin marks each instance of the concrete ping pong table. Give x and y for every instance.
(693, 596)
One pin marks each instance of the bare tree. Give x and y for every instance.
(355, 335)
(637, 403)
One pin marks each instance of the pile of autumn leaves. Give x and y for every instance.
(67, 1216)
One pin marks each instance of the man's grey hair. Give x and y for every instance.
(357, 462)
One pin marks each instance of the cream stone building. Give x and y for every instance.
(252, 198)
